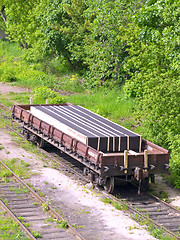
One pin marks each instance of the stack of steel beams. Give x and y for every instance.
(89, 128)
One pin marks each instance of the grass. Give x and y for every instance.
(19, 190)
(30, 185)
(1, 146)
(111, 104)
(83, 211)
(51, 219)
(41, 194)
(154, 231)
(5, 117)
(29, 147)
(164, 196)
(36, 234)
(118, 206)
(20, 168)
(9, 230)
(20, 97)
(106, 200)
(46, 206)
(77, 226)
(62, 224)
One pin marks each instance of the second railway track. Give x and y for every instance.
(25, 204)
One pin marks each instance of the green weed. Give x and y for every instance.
(41, 194)
(1, 147)
(77, 226)
(35, 203)
(106, 200)
(49, 220)
(20, 168)
(19, 190)
(83, 211)
(36, 234)
(164, 196)
(119, 206)
(9, 230)
(46, 206)
(62, 224)
(155, 232)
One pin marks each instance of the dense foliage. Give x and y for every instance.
(109, 43)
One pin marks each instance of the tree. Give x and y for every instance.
(17, 18)
(154, 66)
(106, 46)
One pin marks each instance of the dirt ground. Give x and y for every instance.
(78, 204)
(7, 88)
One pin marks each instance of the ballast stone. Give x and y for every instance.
(89, 128)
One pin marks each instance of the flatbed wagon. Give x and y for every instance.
(107, 150)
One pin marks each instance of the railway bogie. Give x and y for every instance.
(104, 167)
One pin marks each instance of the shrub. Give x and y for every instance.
(43, 93)
(57, 100)
(175, 160)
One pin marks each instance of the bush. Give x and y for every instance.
(175, 160)
(43, 93)
(57, 100)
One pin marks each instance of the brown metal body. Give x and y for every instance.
(105, 164)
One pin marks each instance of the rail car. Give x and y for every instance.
(107, 150)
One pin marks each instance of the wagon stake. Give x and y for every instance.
(125, 160)
(121, 168)
(167, 166)
(139, 187)
(152, 167)
(106, 168)
(145, 160)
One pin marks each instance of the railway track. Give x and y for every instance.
(147, 206)
(153, 209)
(24, 203)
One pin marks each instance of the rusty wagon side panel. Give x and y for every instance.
(34, 124)
(105, 164)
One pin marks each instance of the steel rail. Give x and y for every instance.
(57, 215)
(55, 159)
(4, 106)
(165, 203)
(79, 175)
(141, 214)
(21, 225)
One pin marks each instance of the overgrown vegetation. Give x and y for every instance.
(20, 168)
(154, 231)
(122, 56)
(118, 206)
(9, 230)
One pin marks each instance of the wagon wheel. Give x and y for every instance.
(109, 184)
(145, 184)
(26, 134)
(40, 142)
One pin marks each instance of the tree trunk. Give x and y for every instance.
(69, 60)
(3, 14)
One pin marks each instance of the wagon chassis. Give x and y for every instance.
(34, 136)
(103, 168)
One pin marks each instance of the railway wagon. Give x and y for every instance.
(107, 150)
